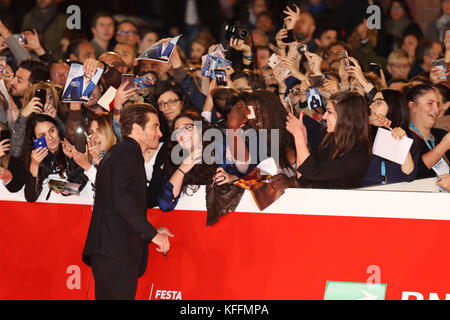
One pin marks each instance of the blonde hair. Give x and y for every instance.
(396, 55)
(105, 127)
(61, 109)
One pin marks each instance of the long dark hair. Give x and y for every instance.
(58, 157)
(274, 117)
(352, 124)
(398, 111)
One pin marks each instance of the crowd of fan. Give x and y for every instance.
(328, 146)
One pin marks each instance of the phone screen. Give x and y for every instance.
(129, 79)
(221, 77)
(40, 142)
(375, 68)
(42, 95)
(316, 81)
(80, 140)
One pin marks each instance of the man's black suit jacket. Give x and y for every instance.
(119, 228)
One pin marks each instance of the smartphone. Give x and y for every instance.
(316, 81)
(290, 37)
(441, 64)
(221, 77)
(5, 134)
(129, 79)
(42, 95)
(20, 38)
(375, 68)
(252, 113)
(80, 140)
(302, 48)
(343, 54)
(40, 142)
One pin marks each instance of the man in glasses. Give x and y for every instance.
(127, 32)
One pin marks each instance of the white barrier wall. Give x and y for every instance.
(414, 200)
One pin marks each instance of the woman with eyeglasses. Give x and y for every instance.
(170, 100)
(185, 162)
(433, 143)
(341, 158)
(389, 109)
(50, 162)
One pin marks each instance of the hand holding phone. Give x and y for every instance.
(344, 56)
(440, 63)
(42, 95)
(316, 81)
(129, 80)
(221, 77)
(40, 142)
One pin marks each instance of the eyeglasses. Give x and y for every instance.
(377, 101)
(171, 103)
(184, 129)
(295, 92)
(125, 33)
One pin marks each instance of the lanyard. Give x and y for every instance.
(383, 172)
(433, 142)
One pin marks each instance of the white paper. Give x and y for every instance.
(107, 98)
(268, 166)
(387, 147)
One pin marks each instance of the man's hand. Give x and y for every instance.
(90, 67)
(240, 45)
(292, 17)
(162, 239)
(33, 43)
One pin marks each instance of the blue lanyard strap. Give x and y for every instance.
(433, 142)
(383, 172)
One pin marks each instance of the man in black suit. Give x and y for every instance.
(119, 233)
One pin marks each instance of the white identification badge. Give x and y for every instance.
(441, 167)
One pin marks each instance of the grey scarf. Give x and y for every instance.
(41, 19)
(396, 28)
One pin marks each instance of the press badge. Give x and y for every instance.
(441, 167)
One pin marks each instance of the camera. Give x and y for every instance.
(236, 31)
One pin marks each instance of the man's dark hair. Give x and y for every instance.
(321, 28)
(98, 15)
(40, 71)
(74, 47)
(254, 78)
(135, 113)
(130, 22)
(143, 30)
(423, 49)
